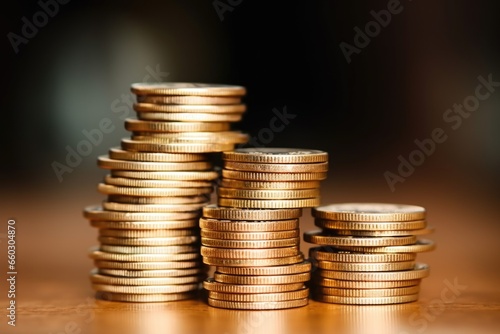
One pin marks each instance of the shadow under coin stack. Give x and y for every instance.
(160, 179)
(253, 236)
(367, 254)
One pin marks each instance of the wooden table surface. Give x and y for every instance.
(54, 295)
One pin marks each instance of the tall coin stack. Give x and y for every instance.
(367, 254)
(253, 236)
(160, 179)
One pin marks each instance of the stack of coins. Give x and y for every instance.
(160, 179)
(368, 252)
(253, 236)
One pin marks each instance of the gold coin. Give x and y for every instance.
(145, 225)
(248, 226)
(151, 273)
(98, 255)
(397, 233)
(177, 249)
(420, 271)
(179, 176)
(152, 207)
(276, 168)
(222, 137)
(285, 185)
(269, 204)
(256, 176)
(162, 265)
(144, 298)
(159, 200)
(370, 226)
(343, 266)
(341, 284)
(97, 213)
(140, 125)
(153, 233)
(221, 243)
(213, 211)
(260, 297)
(248, 262)
(145, 289)
(272, 305)
(189, 117)
(118, 154)
(261, 280)
(149, 102)
(275, 155)
(135, 145)
(369, 212)
(186, 88)
(250, 236)
(335, 255)
(197, 108)
(267, 194)
(303, 267)
(410, 290)
(420, 246)
(317, 237)
(158, 241)
(211, 285)
(249, 253)
(152, 192)
(106, 163)
(366, 300)
(144, 281)
(120, 181)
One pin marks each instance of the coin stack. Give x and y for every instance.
(367, 254)
(253, 236)
(160, 179)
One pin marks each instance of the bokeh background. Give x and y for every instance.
(365, 113)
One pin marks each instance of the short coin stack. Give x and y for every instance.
(253, 237)
(368, 253)
(160, 179)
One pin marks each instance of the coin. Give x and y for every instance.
(341, 284)
(342, 266)
(261, 280)
(213, 211)
(152, 207)
(267, 194)
(276, 168)
(149, 126)
(153, 249)
(189, 117)
(211, 285)
(269, 204)
(275, 155)
(144, 298)
(260, 297)
(97, 213)
(135, 145)
(146, 192)
(336, 255)
(161, 265)
(249, 262)
(367, 300)
(176, 175)
(419, 271)
(297, 268)
(106, 163)
(247, 226)
(273, 305)
(230, 243)
(118, 154)
(249, 253)
(284, 185)
(153, 233)
(145, 225)
(145, 289)
(197, 108)
(369, 292)
(250, 236)
(126, 182)
(422, 245)
(318, 237)
(370, 226)
(397, 233)
(98, 255)
(222, 137)
(169, 241)
(148, 102)
(144, 281)
(256, 176)
(151, 273)
(186, 88)
(369, 212)
(159, 200)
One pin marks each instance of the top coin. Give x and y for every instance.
(369, 212)
(276, 155)
(186, 88)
